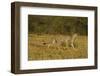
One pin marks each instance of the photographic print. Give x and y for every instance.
(57, 37)
(52, 37)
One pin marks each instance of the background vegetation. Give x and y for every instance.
(39, 24)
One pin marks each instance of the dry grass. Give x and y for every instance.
(38, 51)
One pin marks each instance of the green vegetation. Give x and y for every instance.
(39, 24)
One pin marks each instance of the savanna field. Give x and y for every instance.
(38, 51)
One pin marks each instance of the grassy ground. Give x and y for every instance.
(38, 51)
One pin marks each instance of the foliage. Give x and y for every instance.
(39, 24)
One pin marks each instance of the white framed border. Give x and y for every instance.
(25, 64)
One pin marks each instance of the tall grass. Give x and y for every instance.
(38, 51)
